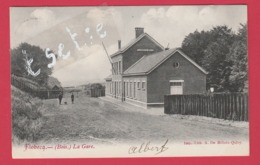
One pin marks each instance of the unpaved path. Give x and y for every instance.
(96, 120)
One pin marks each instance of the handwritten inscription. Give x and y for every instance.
(147, 147)
(28, 63)
(50, 55)
(99, 30)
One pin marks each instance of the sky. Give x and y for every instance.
(77, 33)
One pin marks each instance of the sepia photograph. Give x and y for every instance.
(129, 81)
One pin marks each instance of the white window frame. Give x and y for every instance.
(143, 87)
(181, 81)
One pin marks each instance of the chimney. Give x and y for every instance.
(138, 31)
(119, 44)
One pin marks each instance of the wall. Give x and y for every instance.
(140, 94)
(116, 79)
(132, 55)
(129, 58)
(158, 80)
(108, 86)
(116, 59)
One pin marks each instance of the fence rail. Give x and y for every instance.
(231, 106)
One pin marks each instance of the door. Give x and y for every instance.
(176, 87)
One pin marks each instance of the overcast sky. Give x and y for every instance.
(50, 26)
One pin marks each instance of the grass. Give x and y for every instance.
(27, 118)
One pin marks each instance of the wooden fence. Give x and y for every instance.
(33, 88)
(97, 92)
(230, 106)
(25, 85)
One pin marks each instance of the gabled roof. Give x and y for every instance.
(134, 41)
(148, 63)
(52, 81)
(56, 87)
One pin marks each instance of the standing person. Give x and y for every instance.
(60, 97)
(72, 98)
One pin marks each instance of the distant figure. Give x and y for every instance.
(60, 98)
(72, 98)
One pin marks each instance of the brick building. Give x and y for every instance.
(143, 72)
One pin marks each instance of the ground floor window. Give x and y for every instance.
(130, 89)
(143, 85)
(117, 88)
(138, 85)
(126, 89)
(134, 90)
(176, 87)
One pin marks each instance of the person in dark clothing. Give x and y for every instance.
(60, 98)
(72, 98)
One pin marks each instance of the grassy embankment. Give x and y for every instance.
(27, 117)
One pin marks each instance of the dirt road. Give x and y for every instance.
(96, 120)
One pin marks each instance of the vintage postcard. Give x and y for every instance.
(129, 81)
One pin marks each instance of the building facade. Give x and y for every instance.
(143, 72)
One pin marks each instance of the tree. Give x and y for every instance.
(212, 50)
(216, 61)
(218, 66)
(238, 54)
(19, 58)
(195, 44)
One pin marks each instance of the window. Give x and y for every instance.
(143, 85)
(176, 87)
(128, 94)
(175, 65)
(134, 90)
(130, 89)
(119, 67)
(116, 67)
(126, 89)
(176, 84)
(119, 88)
(138, 85)
(113, 69)
(115, 88)
(110, 87)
